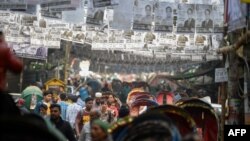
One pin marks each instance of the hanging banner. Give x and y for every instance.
(94, 15)
(13, 5)
(136, 41)
(78, 37)
(164, 17)
(27, 20)
(167, 39)
(216, 41)
(105, 3)
(37, 36)
(204, 21)
(218, 16)
(52, 38)
(186, 18)
(123, 14)
(143, 15)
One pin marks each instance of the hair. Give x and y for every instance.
(208, 11)
(190, 9)
(148, 6)
(47, 93)
(88, 99)
(55, 106)
(1, 33)
(103, 101)
(168, 8)
(63, 96)
(44, 106)
(124, 111)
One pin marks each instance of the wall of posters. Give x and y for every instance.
(186, 18)
(52, 38)
(123, 14)
(94, 15)
(218, 17)
(164, 17)
(143, 15)
(204, 19)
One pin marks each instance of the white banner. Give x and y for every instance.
(164, 17)
(185, 41)
(78, 37)
(37, 36)
(143, 15)
(204, 20)
(186, 18)
(123, 14)
(52, 38)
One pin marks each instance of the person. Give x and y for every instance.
(64, 105)
(86, 131)
(124, 111)
(61, 124)
(99, 130)
(97, 100)
(43, 110)
(83, 116)
(47, 97)
(208, 22)
(8, 61)
(106, 114)
(72, 111)
(190, 22)
(20, 103)
(147, 19)
(168, 19)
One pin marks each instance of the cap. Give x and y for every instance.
(98, 94)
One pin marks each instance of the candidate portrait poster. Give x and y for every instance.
(218, 17)
(95, 16)
(204, 20)
(186, 18)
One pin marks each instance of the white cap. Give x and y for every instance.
(98, 94)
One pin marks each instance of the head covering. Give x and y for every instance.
(98, 94)
(104, 125)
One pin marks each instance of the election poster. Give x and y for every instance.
(136, 41)
(184, 42)
(202, 41)
(218, 18)
(204, 19)
(78, 37)
(123, 14)
(37, 36)
(95, 16)
(167, 39)
(164, 17)
(143, 15)
(52, 38)
(186, 18)
(216, 41)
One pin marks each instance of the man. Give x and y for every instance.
(64, 105)
(168, 19)
(147, 19)
(61, 124)
(190, 22)
(207, 23)
(8, 61)
(72, 111)
(86, 131)
(47, 97)
(83, 116)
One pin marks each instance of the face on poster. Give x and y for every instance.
(143, 15)
(164, 17)
(184, 41)
(95, 16)
(186, 18)
(123, 14)
(204, 22)
(216, 41)
(166, 39)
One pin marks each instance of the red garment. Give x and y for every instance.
(8, 61)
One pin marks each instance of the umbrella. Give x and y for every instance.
(31, 95)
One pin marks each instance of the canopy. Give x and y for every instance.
(32, 90)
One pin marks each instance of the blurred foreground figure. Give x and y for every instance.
(8, 61)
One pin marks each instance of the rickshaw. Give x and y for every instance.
(140, 106)
(165, 97)
(205, 118)
(181, 118)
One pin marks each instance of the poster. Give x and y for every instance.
(67, 35)
(37, 36)
(164, 17)
(54, 15)
(216, 41)
(4, 16)
(167, 39)
(149, 38)
(105, 3)
(202, 42)
(78, 37)
(204, 20)
(136, 41)
(184, 42)
(123, 14)
(218, 16)
(13, 5)
(27, 20)
(12, 32)
(143, 15)
(95, 16)
(186, 18)
(52, 38)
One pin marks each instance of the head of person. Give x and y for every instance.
(168, 11)
(104, 105)
(63, 96)
(99, 130)
(43, 109)
(207, 13)
(190, 12)
(89, 103)
(47, 96)
(124, 111)
(94, 114)
(111, 99)
(148, 10)
(55, 111)
(98, 97)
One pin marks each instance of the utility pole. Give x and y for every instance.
(66, 60)
(21, 80)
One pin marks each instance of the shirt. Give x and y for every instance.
(71, 114)
(64, 107)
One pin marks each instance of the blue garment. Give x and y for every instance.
(83, 92)
(64, 107)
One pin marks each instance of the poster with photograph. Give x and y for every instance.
(24, 34)
(37, 36)
(216, 41)
(105, 3)
(218, 17)
(27, 20)
(4, 16)
(136, 41)
(78, 37)
(186, 18)
(52, 38)
(184, 42)
(143, 15)
(149, 38)
(204, 20)
(67, 35)
(201, 41)
(123, 15)
(164, 17)
(168, 39)
(95, 16)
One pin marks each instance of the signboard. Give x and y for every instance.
(221, 75)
